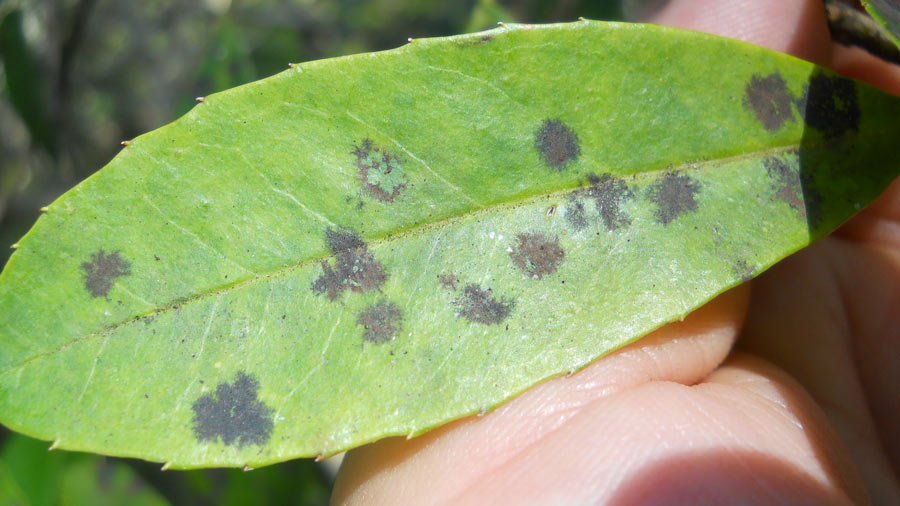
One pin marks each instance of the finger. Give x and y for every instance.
(827, 315)
(748, 435)
(450, 460)
(795, 27)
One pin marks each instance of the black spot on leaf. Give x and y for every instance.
(101, 272)
(381, 321)
(354, 267)
(448, 281)
(830, 105)
(769, 98)
(674, 196)
(480, 306)
(233, 414)
(379, 171)
(557, 143)
(537, 254)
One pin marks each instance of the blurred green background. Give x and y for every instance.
(79, 76)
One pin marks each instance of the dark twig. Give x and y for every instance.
(68, 50)
(852, 27)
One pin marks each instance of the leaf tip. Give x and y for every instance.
(14, 245)
(44, 209)
(54, 445)
(125, 142)
(166, 466)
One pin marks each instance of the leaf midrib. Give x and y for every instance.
(390, 236)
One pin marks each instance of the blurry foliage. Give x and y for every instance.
(79, 76)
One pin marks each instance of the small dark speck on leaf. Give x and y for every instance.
(674, 196)
(770, 100)
(448, 280)
(537, 254)
(381, 321)
(101, 272)
(557, 143)
(480, 306)
(830, 105)
(354, 266)
(233, 414)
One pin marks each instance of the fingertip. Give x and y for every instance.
(797, 28)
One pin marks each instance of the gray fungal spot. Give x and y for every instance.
(379, 171)
(796, 190)
(380, 321)
(769, 98)
(830, 105)
(557, 144)
(609, 193)
(537, 254)
(233, 413)
(574, 213)
(743, 269)
(448, 280)
(480, 306)
(101, 272)
(786, 183)
(354, 267)
(674, 196)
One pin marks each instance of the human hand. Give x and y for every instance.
(803, 409)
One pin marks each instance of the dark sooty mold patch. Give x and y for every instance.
(537, 254)
(480, 306)
(379, 171)
(354, 267)
(769, 98)
(448, 281)
(233, 414)
(674, 196)
(557, 144)
(380, 321)
(830, 105)
(101, 272)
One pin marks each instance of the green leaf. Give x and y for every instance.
(377, 244)
(23, 81)
(887, 14)
(32, 476)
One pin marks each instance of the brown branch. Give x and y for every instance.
(852, 27)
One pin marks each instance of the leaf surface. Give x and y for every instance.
(887, 13)
(377, 244)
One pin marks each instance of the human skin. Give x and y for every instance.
(781, 391)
